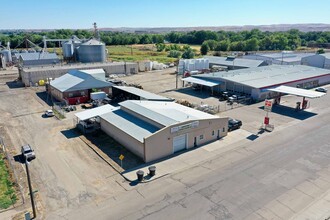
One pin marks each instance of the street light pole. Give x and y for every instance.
(30, 189)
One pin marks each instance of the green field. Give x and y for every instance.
(137, 53)
(7, 191)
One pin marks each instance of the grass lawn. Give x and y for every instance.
(7, 191)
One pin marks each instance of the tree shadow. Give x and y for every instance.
(291, 112)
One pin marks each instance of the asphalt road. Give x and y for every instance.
(274, 177)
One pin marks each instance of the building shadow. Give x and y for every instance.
(291, 112)
(45, 97)
(15, 84)
(113, 150)
(70, 133)
(202, 94)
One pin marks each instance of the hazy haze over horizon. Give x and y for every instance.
(58, 14)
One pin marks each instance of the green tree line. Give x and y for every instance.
(217, 41)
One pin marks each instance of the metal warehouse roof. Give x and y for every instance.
(130, 124)
(78, 80)
(297, 91)
(38, 56)
(326, 55)
(142, 93)
(204, 82)
(91, 113)
(267, 76)
(233, 62)
(165, 113)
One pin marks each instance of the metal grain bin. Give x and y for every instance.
(91, 51)
(7, 55)
(67, 49)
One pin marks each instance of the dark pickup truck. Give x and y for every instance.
(234, 124)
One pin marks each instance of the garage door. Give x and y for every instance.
(179, 143)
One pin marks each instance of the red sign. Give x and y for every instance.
(268, 105)
(266, 121)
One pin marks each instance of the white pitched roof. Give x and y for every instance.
(78, 80)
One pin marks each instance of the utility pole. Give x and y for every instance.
(30, 189)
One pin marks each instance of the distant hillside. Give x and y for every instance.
(271, 28)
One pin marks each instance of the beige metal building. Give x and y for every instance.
(156, 129)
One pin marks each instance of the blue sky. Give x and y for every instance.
(40, 14)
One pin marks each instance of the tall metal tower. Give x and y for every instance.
(96, 32)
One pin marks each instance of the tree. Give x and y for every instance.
(205, 48)
(160, 47)
(223, 45)
(252, 44)
(174, 54)
(188, 53)
(320, 51)
(211, 43)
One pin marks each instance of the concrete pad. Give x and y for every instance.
(317, 210)
(279, 209)
(267, 214)
(295, 200)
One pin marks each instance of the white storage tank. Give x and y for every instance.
(148, 65)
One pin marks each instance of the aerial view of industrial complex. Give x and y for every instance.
(179, 110)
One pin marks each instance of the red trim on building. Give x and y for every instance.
(294, 81)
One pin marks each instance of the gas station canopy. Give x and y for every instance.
(297, 91)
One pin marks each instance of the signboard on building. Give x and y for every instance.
(185, 127)
(268, 105)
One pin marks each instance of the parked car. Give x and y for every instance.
(234, 124)
(321, 89)
(49, 113)
(28, 153)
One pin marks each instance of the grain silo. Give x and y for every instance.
(67, 49)
(7, 55)
(91, 51)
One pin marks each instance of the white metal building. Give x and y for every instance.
(155, 129)
(255, 82)
(317, 60)
(231, 62)
(282, 58)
